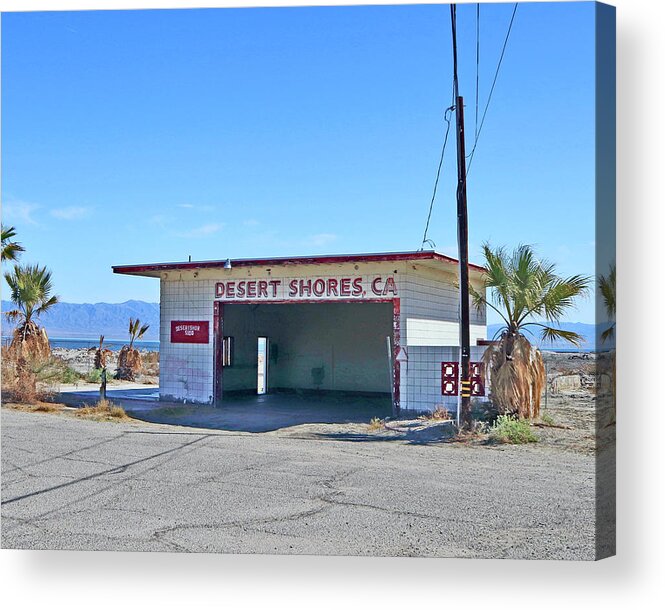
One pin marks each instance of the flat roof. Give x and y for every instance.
(154, 269)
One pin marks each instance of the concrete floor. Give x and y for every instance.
(244, 413)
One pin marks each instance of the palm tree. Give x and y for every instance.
(10, 249)
(523, 290)
(136, 331)
(101, 354)
(129, 359)
(607, 285)
(31, 292)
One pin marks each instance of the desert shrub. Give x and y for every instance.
(54, 371)
(35, 407)
(27, 381)
(18, 384)
(484, 410)
(151, 358)
(376, 424)
(46, 407)
(547, 419)
(104, 410)
(509, 429)
(477, 431)
(69, 375)
(94, 376)
(150, 363)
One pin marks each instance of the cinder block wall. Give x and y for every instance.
(423, 377)
(429, 297)
(186, 370)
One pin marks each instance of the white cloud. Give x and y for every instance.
(71, 213)
(320, 239)
(191, 206)
(17, 212)
(203, 230)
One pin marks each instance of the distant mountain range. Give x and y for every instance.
(590, 332)
(89, 320)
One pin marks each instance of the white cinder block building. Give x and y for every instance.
(363, 324)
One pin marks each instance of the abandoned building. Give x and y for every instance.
(367, 324)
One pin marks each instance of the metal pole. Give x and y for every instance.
(462, 242)
(392, 374)
(102, 387)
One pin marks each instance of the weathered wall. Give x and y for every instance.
(186, 370)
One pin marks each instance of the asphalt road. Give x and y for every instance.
(75, 484)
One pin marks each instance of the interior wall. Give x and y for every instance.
(327, 346)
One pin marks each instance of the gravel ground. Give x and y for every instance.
(76, 484)
(82, 360)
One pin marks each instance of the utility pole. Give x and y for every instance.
(463, 243)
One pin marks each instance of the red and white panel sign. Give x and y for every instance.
(187, 331)
(450, 378)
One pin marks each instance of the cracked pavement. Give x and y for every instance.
(83, 485)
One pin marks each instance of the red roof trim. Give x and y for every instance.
(294, 260)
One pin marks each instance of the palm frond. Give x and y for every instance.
(10, 249)
(31, 290)
(561, 296)
(13, 315)
(608, 334)
(136, 331)
(143, 330)
(548, 333)
(607, 286)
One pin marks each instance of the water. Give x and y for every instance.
(562, 350)
(114, 346)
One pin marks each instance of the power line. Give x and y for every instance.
(479, 128)
(438, 174)
(477, 65)
(489, 97)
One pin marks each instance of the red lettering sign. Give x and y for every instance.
(187, 331)
(310, 288)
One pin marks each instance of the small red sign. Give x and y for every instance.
(187, 331)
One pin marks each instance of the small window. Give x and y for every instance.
(227, 351)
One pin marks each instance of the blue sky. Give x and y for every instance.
(146, 136)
